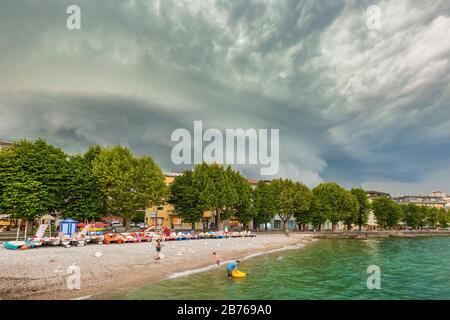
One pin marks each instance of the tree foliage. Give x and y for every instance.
(264, 203)
(443, 218)
(128, 183)
(362, 215)
(33, 179)
(185, 196)
(319, 211)
(290, 198)
(339, 203)
(218, 191)
(85, 199)
(387, 212)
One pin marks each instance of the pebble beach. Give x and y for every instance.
(110, 270)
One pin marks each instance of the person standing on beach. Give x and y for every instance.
(231, 267)
(218, 258)
(158, 249)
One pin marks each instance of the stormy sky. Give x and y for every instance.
(356, 105)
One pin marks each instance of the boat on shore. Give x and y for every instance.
(17, 245)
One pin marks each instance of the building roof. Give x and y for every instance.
(420, 199)
(372, 193)
(5, 143)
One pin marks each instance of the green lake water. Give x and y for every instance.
(416, 268)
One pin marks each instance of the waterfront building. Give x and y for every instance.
(440, 194)
(423, 201)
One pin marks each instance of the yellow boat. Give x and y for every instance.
(238, 274)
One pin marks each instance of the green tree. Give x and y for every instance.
(185, 196)
(85, 199)
(352, 216)
(340, 204)
(33, 180)
(412, 215)
(387, 212)
(140, 217)
(264, 203)
(432, 217)
(128, 183)
(319, 211)
(423, 216)
(291, 198)
(217, 190)
(362, 215)
(244, 210)
(443, 217)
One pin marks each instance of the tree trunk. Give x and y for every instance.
(286, 226)
(360, 227)
(127, 224)
(265, 226)
(193, 226)
(29, 228)
(219, 224)
(333, 226)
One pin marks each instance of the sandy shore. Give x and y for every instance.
(109, 270)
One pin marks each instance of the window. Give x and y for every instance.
(176, 221)
(291, 224)
(277, 224)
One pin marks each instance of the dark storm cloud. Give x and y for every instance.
(358, 106)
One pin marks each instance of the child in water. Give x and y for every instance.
(218, 258)
(231, 267)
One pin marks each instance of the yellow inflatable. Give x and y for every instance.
(238, 274)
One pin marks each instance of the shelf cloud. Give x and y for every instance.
(358, 106)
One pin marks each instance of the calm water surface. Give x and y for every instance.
(416, 268)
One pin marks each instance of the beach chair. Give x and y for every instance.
(64, 239)
(38, 239)
(80, 238)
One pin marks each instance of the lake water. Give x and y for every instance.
(417, 268)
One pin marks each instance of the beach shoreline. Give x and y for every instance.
(109, 271)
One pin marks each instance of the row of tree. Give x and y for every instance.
(37, 178)
(390, 214)
(226, 193)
